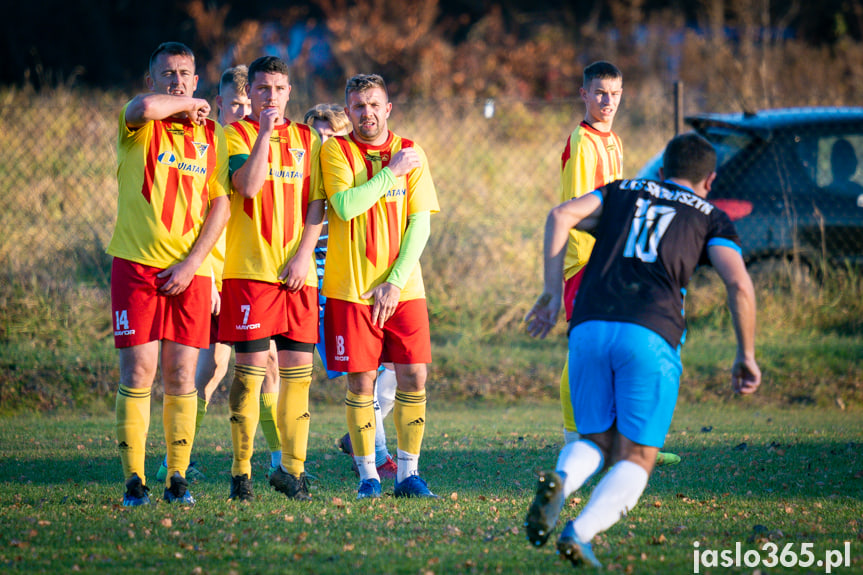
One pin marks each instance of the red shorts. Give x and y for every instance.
(354, 344)
(214, 328)
(141, 313)
(255, 310)
(570, 288)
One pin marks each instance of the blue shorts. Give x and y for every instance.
(626, 374)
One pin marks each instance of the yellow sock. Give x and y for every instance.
(294, 417)
(178, 418)
(132, 412)
(244, 403)
(409, 416)
(360, 413)
(565, 401)
(269, 408)
(199, 415)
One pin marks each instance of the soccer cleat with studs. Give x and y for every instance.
(345, 446)
(413, 486)
(177, 491)
(241, 489)
(665, 458)
(369, 489)
(296, 488)
(574, 550)
(136, 492)
(545, 508)
(388, 469)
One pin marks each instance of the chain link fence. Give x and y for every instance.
(496, 167)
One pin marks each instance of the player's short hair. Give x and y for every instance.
(363, 82)
(600, 70)
(689, 157)
(171, 49)
(268, 65)
(237, 78)
(333, 114)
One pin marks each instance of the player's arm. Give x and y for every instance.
(727, 261)
(180, 274)
(149, 107)
(248, 174)
(386, 295)
(295, 273)
(583, 212)
(351, 202)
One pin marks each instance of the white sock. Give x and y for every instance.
(381, 451)
(385, 391)
(366, 466)
(408, 465)
(614, 497)
(571, 436)
(577, 463)
(275, 458)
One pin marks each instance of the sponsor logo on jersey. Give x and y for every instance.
(396, 193)
(286, 174)
(383, 157)
(244, 327)
(191, 168)
(342, 357)
(125, 332)
(167, 158)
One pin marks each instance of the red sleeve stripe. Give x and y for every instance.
(567, 153)
(151, 159)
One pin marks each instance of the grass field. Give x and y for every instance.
(750, 474)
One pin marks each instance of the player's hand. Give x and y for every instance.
(267, 119)
(294, 274)
(386, 297)
(745, 376)
(178, 276)
(215, 300)
(199, 111)
(404, 161)
(543, 315)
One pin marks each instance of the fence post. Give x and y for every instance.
(678, 107)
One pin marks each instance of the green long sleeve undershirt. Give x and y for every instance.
(413, 244)
(352, 202)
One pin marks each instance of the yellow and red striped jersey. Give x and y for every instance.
(264, 232)
(361, 252)
(167, 172)
(590, 160)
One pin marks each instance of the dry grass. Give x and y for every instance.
(496, 179)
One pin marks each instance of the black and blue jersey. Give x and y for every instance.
(649, 240)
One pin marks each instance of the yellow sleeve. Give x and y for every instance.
(219, 183)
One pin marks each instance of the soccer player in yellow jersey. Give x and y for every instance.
(380, 198)
(592, 157)
(270, 286)
(172, 207)
(233, 104)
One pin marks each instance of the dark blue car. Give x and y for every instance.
(791, 179)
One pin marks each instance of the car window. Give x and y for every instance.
(837, 166)
(727, 142)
